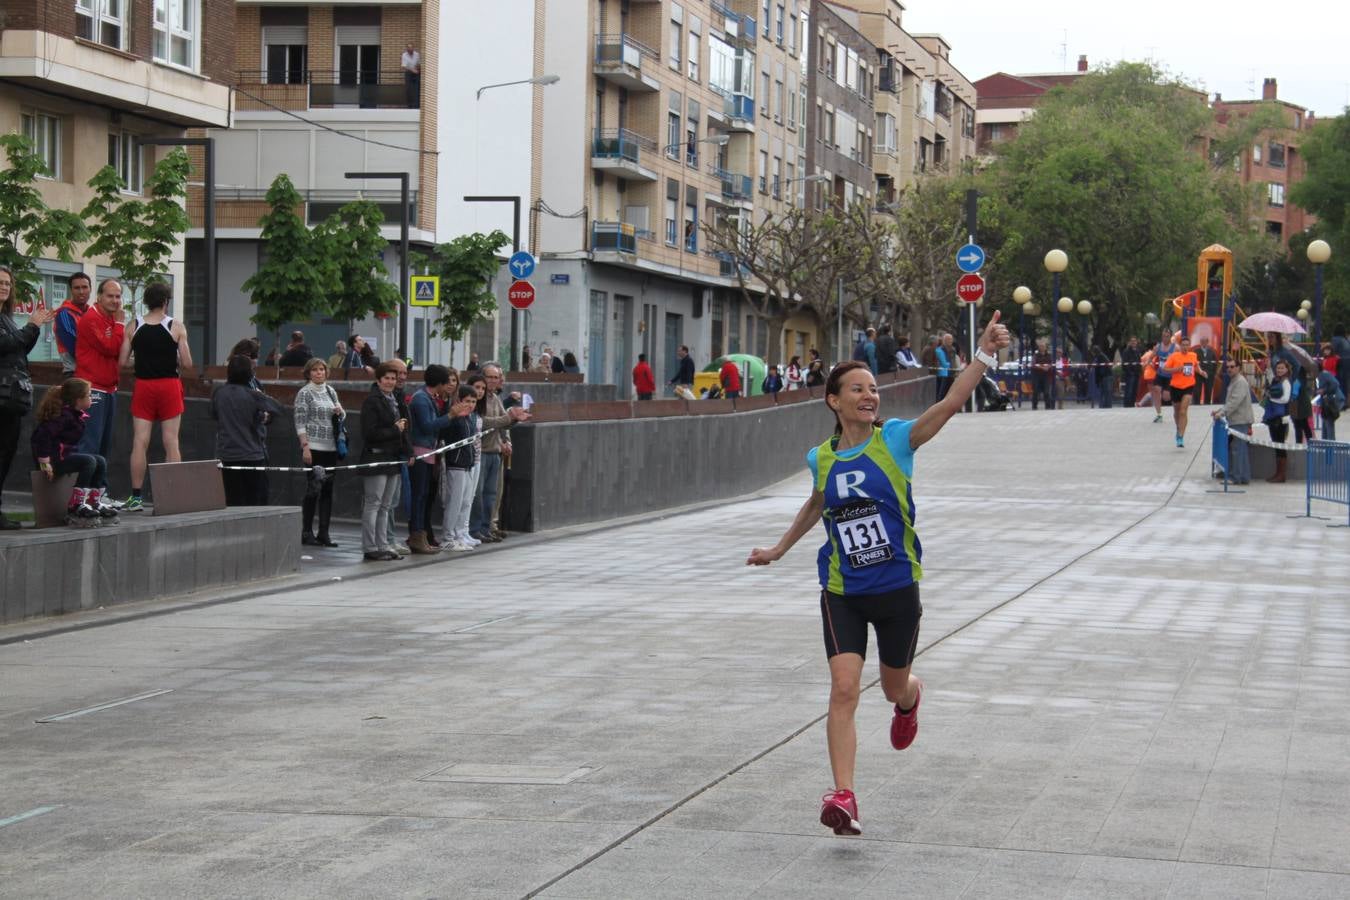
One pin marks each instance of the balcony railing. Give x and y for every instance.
(612, 49)
(734, 186)
(739, 106)
(613, 237)
(889, 80)
(325, 89)
(620, 143)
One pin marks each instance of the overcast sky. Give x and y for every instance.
(1229, 47)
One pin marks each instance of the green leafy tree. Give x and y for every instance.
(1325, 192)
(1113, 170)
(351, 239)
(297, 274)
(139, 236)
(465, 266)
(28, 227)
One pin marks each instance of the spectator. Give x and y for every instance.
(866, 350)
(457, 487)
(928, 359)
(1205, 389)
(1101, 376)
(815, 373)
(1042, 375)
(730, 378)
(339, 357)
(68, 317)
(1340, 345)
(427, 424)
(16, 387)
(1130, 369)
(813, 354)
(403, 491)
(904, 356)
(273, 356)
(886, 349)
(60, 423)
(160, 347)
(469, 504)
(317, 412)
(297, 352)
(544, 365)
(644, 382)
(496, 420)
(1331, 401)
(360, 357)
(945, 353)
(411, 61)
(1237, 411)
(794, 376)
(570, 364)
(556, 364)
(97, 347)
(473, 363)
(239, 411)
(773, 382)
(684, 371)
(1275, 415)
(384, 434)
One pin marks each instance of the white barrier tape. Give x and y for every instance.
(1262, 442)
(320, 472)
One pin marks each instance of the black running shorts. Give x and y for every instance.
(895, 616)
(1179, 394)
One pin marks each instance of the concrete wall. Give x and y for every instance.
(565, 473)
(59, 570)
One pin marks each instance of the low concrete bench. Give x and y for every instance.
(51, 499)
(185, 487)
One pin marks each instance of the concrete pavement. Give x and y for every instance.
(1134, 689)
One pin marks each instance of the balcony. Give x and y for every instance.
(619, 58)
(748, 34)
(739, 111)
(614, 237)
(889, 81)
(324, 89)
(736, 189)
(619, 150)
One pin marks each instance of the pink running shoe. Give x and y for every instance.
(904, 726)
(839, 811)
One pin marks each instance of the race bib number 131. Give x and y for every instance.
(862, 535)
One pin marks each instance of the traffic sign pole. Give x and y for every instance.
(974, 259)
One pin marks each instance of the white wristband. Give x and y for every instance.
(990, 362)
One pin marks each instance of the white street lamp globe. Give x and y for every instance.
(1319, 251)
(1027, 308)
(1056, 261)
(1032, 309)
(1303, 314)
(1066, 304)
(1022, 295)
(1306, 304)
(1085, 307)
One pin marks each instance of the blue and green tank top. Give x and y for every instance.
(871, 546)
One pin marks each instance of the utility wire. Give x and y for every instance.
(346, 134)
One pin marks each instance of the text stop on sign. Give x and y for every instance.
(520, 294)
(970, 288)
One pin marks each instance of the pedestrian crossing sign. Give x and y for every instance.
(426, 290)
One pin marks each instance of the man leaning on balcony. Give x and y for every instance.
(412, 76)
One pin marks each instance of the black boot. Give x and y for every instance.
(325, 514)
(307, 519)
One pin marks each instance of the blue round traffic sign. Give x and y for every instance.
(970, 258)
(521, 265)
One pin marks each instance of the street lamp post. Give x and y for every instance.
(717, 140)
(1022, 297)
(208, 146)
(402, 179)
(1056, 261)
(1085, 310)
(1319, 251)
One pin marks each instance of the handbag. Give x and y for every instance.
(339, 430)
(16, 392)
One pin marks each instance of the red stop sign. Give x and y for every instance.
(970, 288)
(521, 294)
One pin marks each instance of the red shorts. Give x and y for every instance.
(157, 399)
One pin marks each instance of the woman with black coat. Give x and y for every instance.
(16, 388)
(240, 411)
(385, 442)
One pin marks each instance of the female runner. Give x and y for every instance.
(869, 564)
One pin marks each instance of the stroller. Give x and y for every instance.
(988, 397)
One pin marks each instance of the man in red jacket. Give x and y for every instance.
(730, 376)
(98, 341)
(644, 382)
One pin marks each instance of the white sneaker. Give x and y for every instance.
(468, 540)
(457, 547)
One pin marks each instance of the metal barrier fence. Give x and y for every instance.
(1328, 474)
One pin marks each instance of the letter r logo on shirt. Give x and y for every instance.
(846, 484)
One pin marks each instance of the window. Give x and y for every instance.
(126, 156)
(829, 128)
(175, 40)
(101, 21)
(994, 132)
(676, 36)
(777, 178)
(792, 102)
(765, 97)
(721, 66)
(1276, 155)
(778, 101)
(1276, 192)
(885, 140)
(286, 63)
(690, 219)
(792, 35)
(45, 133)
(778, 24)
(764, 171)
(672, 210)
(764, 20)
(1256, 154)
(695, 57)
(673, 134)
(790, 183)
(691, 135)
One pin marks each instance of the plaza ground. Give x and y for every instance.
(1135, 688)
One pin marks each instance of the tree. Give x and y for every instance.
(28, 227)
(296, 277)
(351, 239)
(465, 266)
(1325, 192)
(139, 236)
(1112, 170)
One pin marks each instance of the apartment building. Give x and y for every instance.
(320, 92)
(87, 80)
(1274, 160)
(1006, 100)
(925, 107)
